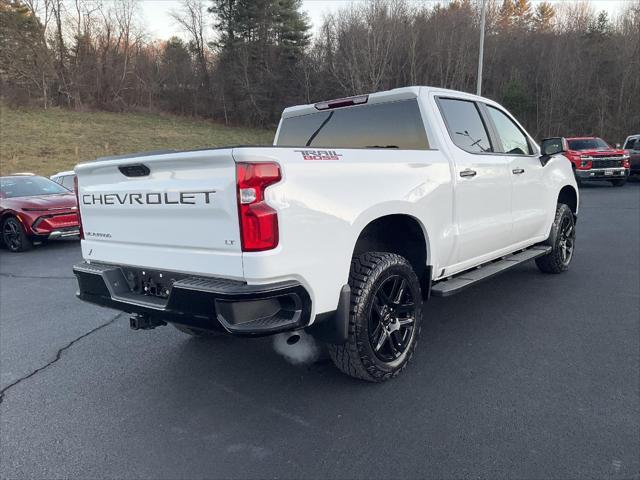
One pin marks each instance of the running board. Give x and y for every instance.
(460, 281)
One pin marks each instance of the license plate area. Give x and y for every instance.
(151, 283)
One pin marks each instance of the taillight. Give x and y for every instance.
(258, 221)
(75, 188)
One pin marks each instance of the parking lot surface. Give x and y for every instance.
(524, 376)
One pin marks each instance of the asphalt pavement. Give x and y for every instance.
(524, 376)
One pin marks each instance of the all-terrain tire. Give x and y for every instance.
(14, 237)
(558, 260)
(357, 357)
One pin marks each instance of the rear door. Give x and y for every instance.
(483, 183)
(173, 211)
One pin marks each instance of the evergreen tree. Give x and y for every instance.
(600, 27)
(543, 17)
(522, 14)
(516, 98)
(261, 44)
(25, 61)
(505, 15)
(176, 67)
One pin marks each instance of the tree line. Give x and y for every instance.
(562, 69)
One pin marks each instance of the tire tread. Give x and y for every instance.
(349, 357)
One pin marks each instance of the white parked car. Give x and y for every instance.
(66, 179)
(362, 209)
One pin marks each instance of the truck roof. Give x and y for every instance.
(396, 94)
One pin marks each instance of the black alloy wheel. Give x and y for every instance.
(562, 240)
(384, 318)
(566, 242)
(14, 237)
(391, 319)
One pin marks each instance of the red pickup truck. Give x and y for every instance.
(595, 159)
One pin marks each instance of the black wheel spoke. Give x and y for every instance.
(381, 339)
(395, 283)
(568, 230)
(405, 308)
(382, 297)
(396, 351)
(378, 306)
(399, 292)
(404, 322)
(377, 330)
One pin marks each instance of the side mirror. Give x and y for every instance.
(550, 147)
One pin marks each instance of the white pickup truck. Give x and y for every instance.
(363, 208)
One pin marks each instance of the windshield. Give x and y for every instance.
(587, 144)
(12, 187)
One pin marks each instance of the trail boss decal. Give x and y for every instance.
(319, 154)
(152, 198)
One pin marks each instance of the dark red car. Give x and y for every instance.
(35, 209)
(595, 159)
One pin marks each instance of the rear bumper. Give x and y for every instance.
(602, 173)
(56, 225)
(200, 302)
(64, 233)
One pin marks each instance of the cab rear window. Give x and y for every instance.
(383, 125)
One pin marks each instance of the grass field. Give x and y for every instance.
(49, 141)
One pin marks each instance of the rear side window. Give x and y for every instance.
(513, 140)
(466, 128)
(383, 125)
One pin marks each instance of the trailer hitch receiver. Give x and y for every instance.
(144, 322)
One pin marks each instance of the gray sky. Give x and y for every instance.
(159, 23)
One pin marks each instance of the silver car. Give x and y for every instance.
(66, 179)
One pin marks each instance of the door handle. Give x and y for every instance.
(468, 173)
(518, 171)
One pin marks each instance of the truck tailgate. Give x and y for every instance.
(175, 211)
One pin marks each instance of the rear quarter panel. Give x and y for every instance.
(323, 206)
